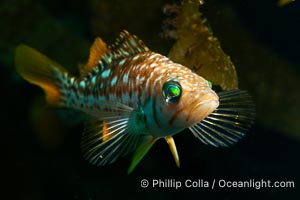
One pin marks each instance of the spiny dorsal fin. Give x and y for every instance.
(97, 52)
(127, 44)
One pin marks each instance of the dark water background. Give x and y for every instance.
(64, 30)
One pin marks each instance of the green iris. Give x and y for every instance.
(172, 91)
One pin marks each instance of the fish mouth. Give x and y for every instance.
(210, 99)
(206, 107)
(203, 108)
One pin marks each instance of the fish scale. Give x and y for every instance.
(117, 92)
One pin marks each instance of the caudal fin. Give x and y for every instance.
(41, 71)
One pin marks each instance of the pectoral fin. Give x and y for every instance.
(229, 122)
(109, 136)
(173, 149)
(141, 152)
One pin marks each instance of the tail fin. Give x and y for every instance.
(41, 71)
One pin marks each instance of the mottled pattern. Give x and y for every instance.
(132, 75)
(136, 97)
(136, 81)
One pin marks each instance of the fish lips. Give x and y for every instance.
(202, 109)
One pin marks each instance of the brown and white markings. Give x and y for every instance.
(135, 97)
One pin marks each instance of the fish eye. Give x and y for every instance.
(172, 91)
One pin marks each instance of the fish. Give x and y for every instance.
(134, 97)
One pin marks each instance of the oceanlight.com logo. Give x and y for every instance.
(212, 184)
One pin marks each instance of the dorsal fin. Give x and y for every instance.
(127, 44)
(97, 52)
